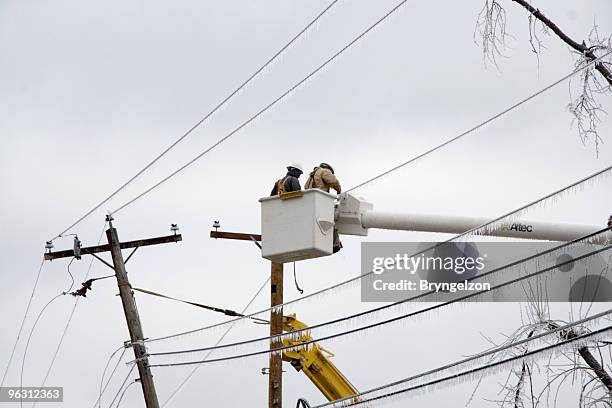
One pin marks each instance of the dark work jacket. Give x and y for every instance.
(292, 183)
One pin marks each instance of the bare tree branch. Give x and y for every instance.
(588, 358)
(582, 48)
(594, 79)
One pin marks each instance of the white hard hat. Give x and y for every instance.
(295, 166)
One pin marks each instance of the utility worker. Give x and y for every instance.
(290, 182)
(323, 178)
(610, 221)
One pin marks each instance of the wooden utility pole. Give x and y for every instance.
(275, 380)
(275, 383)
(114, 246)
(132, 319)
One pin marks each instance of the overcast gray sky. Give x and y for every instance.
(91, 91)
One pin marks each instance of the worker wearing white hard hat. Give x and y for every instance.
(290, 182)
(296, 166)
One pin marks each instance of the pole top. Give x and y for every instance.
(109, 219)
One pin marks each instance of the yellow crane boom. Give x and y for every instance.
(313, 360)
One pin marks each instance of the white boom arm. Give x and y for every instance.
(355, 217)
(300, 225)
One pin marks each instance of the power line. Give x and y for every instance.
(204, 119)
(102, 385)
(480, 125)
(377, 324)
(261, 288)
(261, 312)
(25, 352)
(70, 273)
(122, 385)
(481, 227)
(521, 357)
(67, 325)
(123, 393)
(309, 329)
(227, 312)
(25, 315)
(267, 107)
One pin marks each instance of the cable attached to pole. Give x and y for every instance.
(122, 385)
(227, 312)
(103, 386)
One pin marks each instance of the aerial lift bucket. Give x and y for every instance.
(298, 226)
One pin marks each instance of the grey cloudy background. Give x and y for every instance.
(90, 91)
